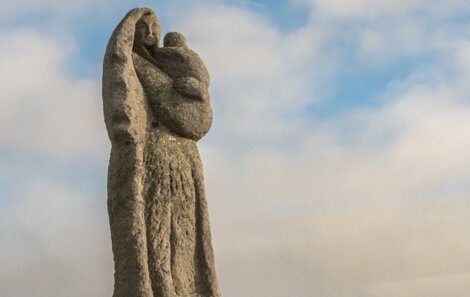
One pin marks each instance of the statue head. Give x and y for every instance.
(147, 31)
(174, 39)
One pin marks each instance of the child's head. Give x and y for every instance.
(174, 39)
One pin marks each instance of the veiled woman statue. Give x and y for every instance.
(156, 106)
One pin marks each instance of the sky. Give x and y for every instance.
(337, 165)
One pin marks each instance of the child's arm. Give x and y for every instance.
(191, 87)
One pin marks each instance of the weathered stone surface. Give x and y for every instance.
(178, 61)
(156, 199)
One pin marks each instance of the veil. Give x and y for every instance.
(125, 110)
(127, 119)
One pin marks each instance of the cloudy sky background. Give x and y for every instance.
(338, 164)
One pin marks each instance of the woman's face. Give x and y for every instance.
(147, 31)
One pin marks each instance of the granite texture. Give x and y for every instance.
(156, 199)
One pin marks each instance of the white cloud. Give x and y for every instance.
(379, 33)
(372, 203)
(370, 9)
(23, 10)
(361, 8)
(57, 242)
(462, 59)
(439, 285)
(393, 38)
(51, 10)
(372, 216)
(42, 108)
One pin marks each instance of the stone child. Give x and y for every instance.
(178, 61)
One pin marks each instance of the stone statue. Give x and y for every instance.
(156, 106)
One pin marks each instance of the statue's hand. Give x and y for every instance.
(191, 87)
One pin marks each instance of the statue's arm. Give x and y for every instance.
(121, 87)
(186, 112)
(192, 88)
